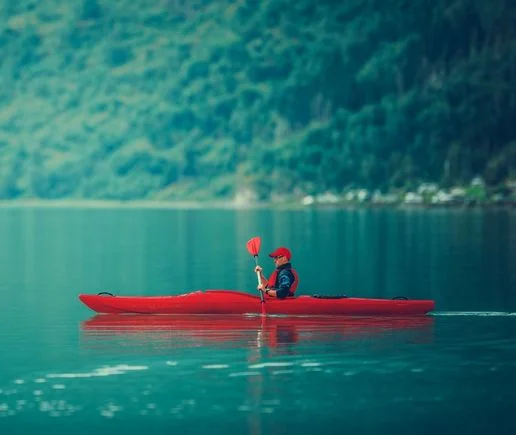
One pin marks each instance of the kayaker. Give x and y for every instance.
(284, 280)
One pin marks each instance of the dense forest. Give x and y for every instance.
(192, 99)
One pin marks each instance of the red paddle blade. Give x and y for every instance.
(253, 246)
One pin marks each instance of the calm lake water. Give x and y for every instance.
(64, 369)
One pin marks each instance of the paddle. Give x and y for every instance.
(253, 246)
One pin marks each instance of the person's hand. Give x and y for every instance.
(258, 269)
(262, 288)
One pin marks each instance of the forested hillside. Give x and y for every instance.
(175, 99)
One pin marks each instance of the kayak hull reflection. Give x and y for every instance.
(123, 332)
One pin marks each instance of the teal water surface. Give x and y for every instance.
(65, 369)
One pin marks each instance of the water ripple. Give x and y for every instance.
(475, 313)
(102, 371)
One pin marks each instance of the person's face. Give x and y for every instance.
(279, 260)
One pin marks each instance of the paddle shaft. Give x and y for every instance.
(258, 273)
(253, 247)
(260, 283)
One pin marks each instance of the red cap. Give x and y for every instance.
(280, 252)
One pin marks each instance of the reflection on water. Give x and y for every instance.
(248, 369)
(250, 375)
(123, 332)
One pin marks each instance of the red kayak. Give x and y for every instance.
(234, 302)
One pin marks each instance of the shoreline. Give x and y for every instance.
(232, 205)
